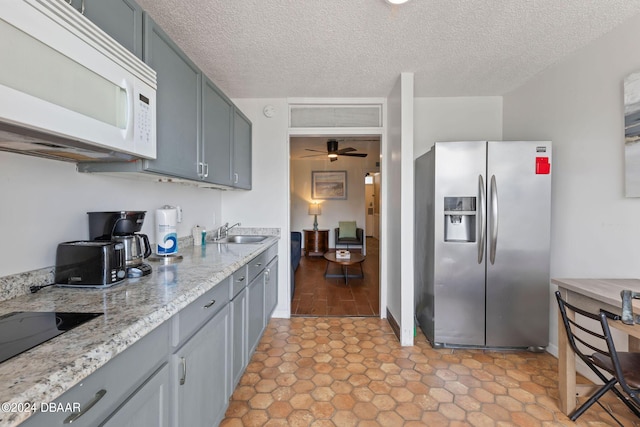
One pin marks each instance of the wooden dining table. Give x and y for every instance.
(592, 295)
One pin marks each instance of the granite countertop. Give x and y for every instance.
(131, 310)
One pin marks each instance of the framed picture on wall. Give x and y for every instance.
(329, 185)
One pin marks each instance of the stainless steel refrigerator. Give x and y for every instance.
(482, 243)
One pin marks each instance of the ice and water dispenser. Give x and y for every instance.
(459, 219)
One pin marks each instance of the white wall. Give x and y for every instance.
(456, 119)
(397, 235)
(266, 204)
(578, 105)
(333, 211)
(391, 233)
(44, 202)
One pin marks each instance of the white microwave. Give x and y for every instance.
(70, 90)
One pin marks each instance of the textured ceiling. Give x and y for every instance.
(357, 48)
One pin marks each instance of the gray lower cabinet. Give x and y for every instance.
(270, 288)
(135, 375)
(121, 19)
(201, 369)
(239, 348)
(255, 309)
(149, 405)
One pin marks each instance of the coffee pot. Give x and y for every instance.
(124, 227)
(136, 248)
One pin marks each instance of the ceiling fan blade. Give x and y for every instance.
(318, 151)
(354, 154)
(345, 150)
(313, 155)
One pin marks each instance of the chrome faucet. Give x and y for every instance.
(223, 230)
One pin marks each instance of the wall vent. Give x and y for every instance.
(335, 116)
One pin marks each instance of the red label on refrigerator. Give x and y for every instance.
(543, 167)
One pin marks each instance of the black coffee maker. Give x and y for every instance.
(123, 227)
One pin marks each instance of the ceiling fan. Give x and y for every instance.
(333, 152)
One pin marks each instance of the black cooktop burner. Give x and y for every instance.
(22, 330)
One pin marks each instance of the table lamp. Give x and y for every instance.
(314, 209)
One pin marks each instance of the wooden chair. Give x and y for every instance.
(594, 354)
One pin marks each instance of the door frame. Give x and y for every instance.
(381, 133)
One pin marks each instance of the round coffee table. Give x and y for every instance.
(355, 258)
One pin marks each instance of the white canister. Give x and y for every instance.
(166, 230)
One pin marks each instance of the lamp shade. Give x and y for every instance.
(314, 209)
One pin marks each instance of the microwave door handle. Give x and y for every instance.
(482, 218)
(129, 109)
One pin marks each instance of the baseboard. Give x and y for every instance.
(395, 327)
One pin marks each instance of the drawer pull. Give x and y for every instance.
(183, 362)
(71, 418)
(259, 264)
(240, 279)
(210, 303)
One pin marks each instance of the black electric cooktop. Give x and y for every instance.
(22, 330)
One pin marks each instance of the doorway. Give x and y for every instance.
(318, 290)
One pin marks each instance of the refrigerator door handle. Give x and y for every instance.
(493, 220)
(482, 218)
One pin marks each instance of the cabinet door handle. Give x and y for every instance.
(82, 8)
(259, 264)
(210, 303)
(235, 177)
(199, 169)
(183, 362)
(240, 279)
(71, 418)
(206, 170)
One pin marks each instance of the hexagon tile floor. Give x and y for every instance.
(346, 372)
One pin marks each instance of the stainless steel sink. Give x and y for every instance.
(242, 239)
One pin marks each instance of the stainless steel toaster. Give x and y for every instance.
(90, 263)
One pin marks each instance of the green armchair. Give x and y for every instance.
(348, 234)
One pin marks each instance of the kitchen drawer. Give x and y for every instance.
(239, 281)
(196, 314)
(110, 385)
(258, 264)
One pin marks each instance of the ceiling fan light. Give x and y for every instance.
(396, 2)
(332, 155)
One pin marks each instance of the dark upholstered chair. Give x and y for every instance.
(296, 252)
(597, 351)
(344, 235)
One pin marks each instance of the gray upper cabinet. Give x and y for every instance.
(121, 19)
(201, 135)
(178, 101)
(217, 118)
(242, 151)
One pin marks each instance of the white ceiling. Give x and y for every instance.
(357, 48)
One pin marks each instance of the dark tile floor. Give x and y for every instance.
(352, 372)
(317, 296)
